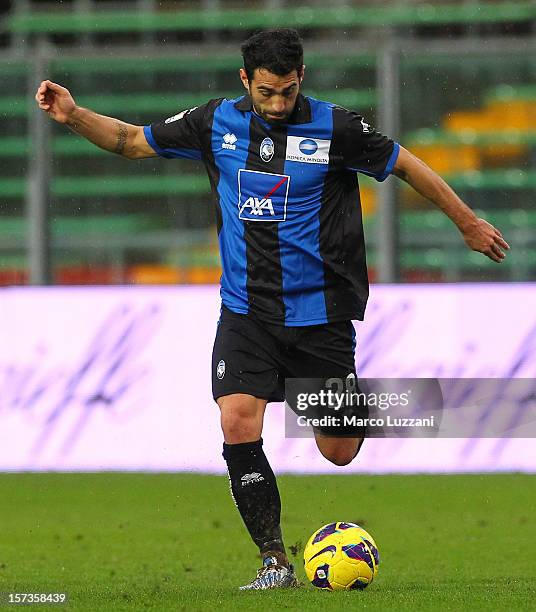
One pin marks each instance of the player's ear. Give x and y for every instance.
(302, 72)
(244, 79)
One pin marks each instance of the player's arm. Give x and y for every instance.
(106, 132)
(478, 234)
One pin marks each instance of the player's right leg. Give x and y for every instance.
(339, 450)
(244, 378)
(254, 486)
(325, 352)
(241, 417)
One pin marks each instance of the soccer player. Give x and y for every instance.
(283, 170)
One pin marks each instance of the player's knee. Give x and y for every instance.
(237, 426)
(341, 453)
(341, 457)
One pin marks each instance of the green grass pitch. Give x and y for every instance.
(175, 541)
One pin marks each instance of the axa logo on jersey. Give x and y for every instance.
(259, 206)
(262, 196)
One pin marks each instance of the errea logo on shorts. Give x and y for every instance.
(307, 150)
(262, 196)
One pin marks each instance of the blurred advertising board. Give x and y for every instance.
(118, 378)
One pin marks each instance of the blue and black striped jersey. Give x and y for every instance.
(287, 201)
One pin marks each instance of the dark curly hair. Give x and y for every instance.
(278, 50)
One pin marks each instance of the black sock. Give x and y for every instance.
(255, 493)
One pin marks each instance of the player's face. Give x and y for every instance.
(273, 96)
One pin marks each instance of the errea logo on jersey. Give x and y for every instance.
(307, 150)
(229, 142)
(262, 196)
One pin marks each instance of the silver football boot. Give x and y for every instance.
(273, 575)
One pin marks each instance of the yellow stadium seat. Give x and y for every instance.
(446, 159)
(368, 200)
(156, 275)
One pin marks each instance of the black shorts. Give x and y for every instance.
(254, 357)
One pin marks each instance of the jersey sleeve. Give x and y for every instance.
(364, 149)
(178, 136)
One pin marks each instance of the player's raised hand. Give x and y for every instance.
(55, 100)
(481, 236)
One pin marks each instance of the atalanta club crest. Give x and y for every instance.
(267, 149)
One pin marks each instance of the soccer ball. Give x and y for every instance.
(340, 557)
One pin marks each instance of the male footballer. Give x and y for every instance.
(283, 171)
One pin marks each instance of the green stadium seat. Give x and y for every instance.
(15, 228)
(429, 137)
(189, 184)
(70, 22)
(166, 103)
(509, 93)
(189, 63)
(120, 186)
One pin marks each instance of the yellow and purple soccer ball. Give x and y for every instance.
(341, 557)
